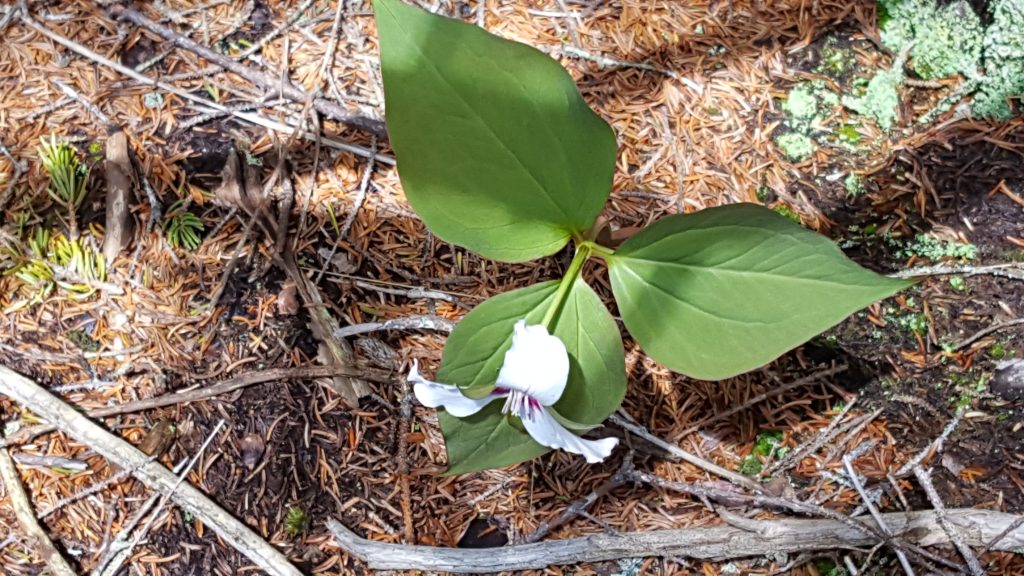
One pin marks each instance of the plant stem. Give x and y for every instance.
(603, 251)
(551, 316)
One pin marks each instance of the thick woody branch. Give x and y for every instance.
(754, 538)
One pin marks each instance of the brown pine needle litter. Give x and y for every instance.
(693, 92)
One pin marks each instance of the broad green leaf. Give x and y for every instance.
(497, 151)
(476, 349)
(725, 290)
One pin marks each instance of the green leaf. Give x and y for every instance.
(725, 290)
(476, 349)
(497, 151)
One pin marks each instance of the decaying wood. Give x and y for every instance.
(757, 538)
(120, 179)
(333, 351)
(154, 475)
(22, 506)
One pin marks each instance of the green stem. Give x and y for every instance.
(565, 286)
(602, 251)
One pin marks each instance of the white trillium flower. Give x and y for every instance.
(532, 378)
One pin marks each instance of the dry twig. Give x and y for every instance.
(261, 79)
(152, 474)
(855, 481)
(620, 419)
(37, 538)
(940, 513)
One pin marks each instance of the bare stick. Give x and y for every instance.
(619, 419)
(813, 445)
(988, 330)
(364, 185)
(855, 481)
(74, 95)
(940, 512)
(121, 552)
(757, 538)
(205, 103)
(152, 474)
(762, 397)
(129, 527)
(37, 538)
(119, 177)
(934, 446)
(405, 323)
(261, 79)
(196, 394)
(579, 507)
(1012, 271)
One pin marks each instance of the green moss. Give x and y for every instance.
(834, 61)
(750, 466)
(880, 99)
(958, 283)
(997, 351)
(787, 212)
(848, 134)
(769, 443)
(796, 147)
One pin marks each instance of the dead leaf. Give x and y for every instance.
(339, 262)
(159, 438)
(288, 300)
(252, 446)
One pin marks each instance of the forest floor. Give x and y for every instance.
(695, 92)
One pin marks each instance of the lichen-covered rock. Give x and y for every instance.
(950, 39)
(880, 99)
(1004, 60)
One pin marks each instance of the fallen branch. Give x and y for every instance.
(154, 475)
(206, 392)
(258, 77)
(417, 322)
(940, 510)
(677, 453)
(119, 178)
(35, 535)
(702, 543)
(205, 104)
(1012, 271)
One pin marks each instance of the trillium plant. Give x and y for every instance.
(498, 152)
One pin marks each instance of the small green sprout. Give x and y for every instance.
(750, 465)
(182, 227)
(295, 521)
(997, 351)
(787, 212)
(68, 177)
(958, 283)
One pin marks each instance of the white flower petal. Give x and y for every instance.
(435, 394)
(537, 364)
(543, 427)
